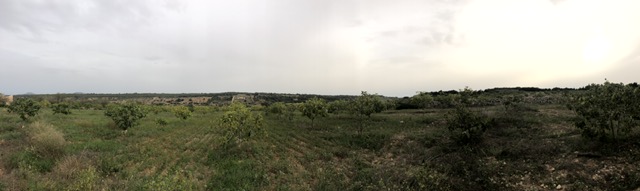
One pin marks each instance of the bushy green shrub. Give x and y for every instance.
(423, 99)
(125, 116)
(466, 126)
(239, 123)
(607, 110)
(182, 112)
(25, 108)
(278, 109)
(63, 108)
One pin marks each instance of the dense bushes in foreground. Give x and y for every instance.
(607, 111)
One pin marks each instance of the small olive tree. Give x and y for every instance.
(62, 108)
(181, 112)
(365, 105)
(239, 123)
(25, 108)
(314, 108)
(125, 116)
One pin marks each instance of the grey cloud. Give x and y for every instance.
(37, 17)
(244, 45)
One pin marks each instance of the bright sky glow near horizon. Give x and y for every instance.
(393, 48)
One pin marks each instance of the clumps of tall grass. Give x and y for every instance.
(45, 140)
(76, 172)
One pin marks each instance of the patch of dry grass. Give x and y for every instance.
(46, 140)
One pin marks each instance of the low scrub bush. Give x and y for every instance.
(466, 126)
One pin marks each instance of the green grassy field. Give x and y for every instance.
(398, 150)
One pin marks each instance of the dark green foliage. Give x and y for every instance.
(607, 110)
(467, 126)
(125, 116)
(25, 108)
(62, 108)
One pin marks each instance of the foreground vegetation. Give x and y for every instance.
(459, 144)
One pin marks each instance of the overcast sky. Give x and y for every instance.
(393, 48)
